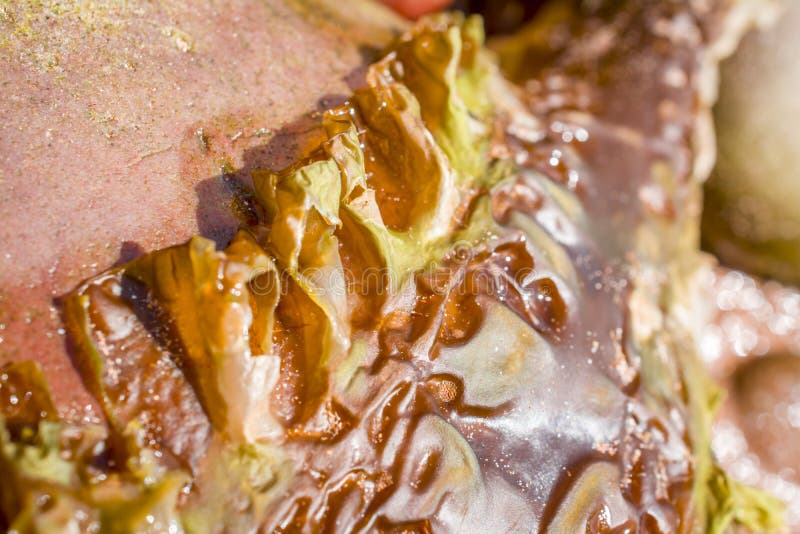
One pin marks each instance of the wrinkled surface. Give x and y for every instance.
(128, 127)
(465, 309)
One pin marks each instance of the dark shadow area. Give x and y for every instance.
(227, 201)
(501, 16)
(129, 251)
(357, 78)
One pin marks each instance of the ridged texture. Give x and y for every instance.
(462, 311)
